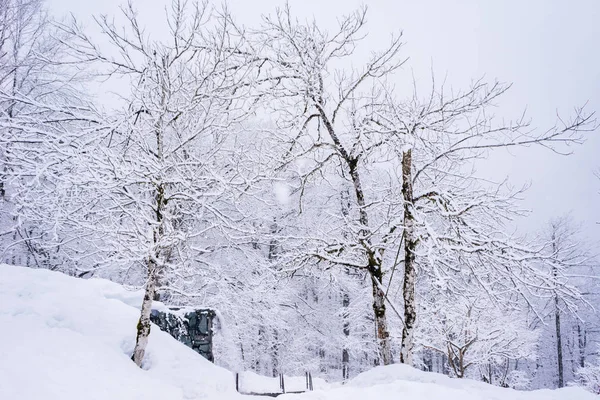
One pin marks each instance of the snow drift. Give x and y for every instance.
(399, 381)
(66, 339)
(63, 338)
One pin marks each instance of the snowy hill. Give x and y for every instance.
(63, 339)
(66, 339)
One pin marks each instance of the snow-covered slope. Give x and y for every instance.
(62, 338)
(67, 339)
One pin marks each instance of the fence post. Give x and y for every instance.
(306, 377)
(237, 382)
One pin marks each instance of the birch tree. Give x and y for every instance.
(447, 210)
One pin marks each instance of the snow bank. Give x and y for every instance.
(395, 382)
(62, 338)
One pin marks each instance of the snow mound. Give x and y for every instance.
(398, 381)
(63, 338)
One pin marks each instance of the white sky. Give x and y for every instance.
(548, 49)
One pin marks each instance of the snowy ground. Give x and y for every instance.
(68, 339)
(252, 383)
(400, 382)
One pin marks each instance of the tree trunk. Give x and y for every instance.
(558, 344)
(383, 335)
(374, 268)
(410, 244)
(345, 202)
(559, 354)
(275, 355)
(373, 256)
(345, 352)
(143, 326)
(581, 334)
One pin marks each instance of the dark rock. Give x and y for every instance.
(191, 327)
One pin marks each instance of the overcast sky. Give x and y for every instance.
(548, 49)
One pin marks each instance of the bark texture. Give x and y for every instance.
(559, 353)
(143, 326)
(410, 244)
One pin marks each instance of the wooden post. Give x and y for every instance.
(310, 381)
(237, 382)
(282, 383)
(306, 376)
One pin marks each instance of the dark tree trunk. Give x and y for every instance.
(559, 354)
(374, 269)
(275, 356)
(345, 200)
(582, 336)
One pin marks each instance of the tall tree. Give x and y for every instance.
(569, 261)
(320, 109)
(155, 182)
(438, 137)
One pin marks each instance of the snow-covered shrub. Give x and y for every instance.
(589, 378)
(519, 380)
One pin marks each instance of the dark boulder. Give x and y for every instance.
(194, 328)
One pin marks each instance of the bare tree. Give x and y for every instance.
(154, 179)
(568, 258)
(318, 106)
(438, 138)
(41, 111)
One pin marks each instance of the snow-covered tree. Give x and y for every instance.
(479, 337)
(41, 111)
(588, 376)
(318, 105)
(454, 224)
(570, 327)
(158, 185)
